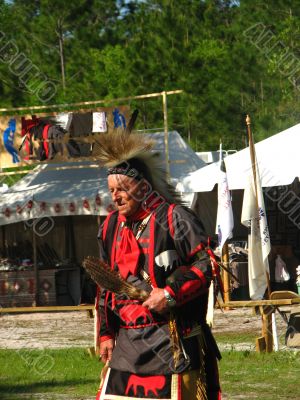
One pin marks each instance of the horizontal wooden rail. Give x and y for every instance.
(9, 310)
(254, 303)
(231, 304)
(94, 103)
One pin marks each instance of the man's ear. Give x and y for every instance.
(146, 187)
(141, 190)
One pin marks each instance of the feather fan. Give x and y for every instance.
(111, 280)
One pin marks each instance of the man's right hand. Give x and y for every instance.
(106, 349)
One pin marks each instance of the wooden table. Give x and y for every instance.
(266, 309)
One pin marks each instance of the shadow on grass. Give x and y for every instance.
(43, 385)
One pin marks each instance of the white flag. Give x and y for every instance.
(254, 217)
(224, 224)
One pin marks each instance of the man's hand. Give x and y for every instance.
(157, 301)
(106, 349)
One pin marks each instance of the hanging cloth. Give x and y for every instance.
(281, 273)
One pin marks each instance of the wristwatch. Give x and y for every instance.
(170, 300)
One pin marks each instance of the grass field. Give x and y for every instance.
(249, 375)
(68, 371)
(72, 373)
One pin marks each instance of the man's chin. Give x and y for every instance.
(123, 211)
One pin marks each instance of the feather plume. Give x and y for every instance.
(120, 146)
(111, 280)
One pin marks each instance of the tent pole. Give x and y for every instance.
(4, 241)
(166, 130)
(35, 266)
(70, 246)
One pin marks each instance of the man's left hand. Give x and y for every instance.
(157, 301)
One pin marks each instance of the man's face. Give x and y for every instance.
(125, 193)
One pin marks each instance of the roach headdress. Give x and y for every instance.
(130, 154)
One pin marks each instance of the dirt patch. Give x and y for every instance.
(243, 321)
(46, 330)
(76, 329)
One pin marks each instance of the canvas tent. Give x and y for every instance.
(279, 167)
(277, 156)
(279, 164)
(72, 189)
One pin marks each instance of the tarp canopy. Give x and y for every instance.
(81, 189)
(278, 160)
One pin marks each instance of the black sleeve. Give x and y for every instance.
(194, 277)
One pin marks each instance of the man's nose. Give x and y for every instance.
(114, 195)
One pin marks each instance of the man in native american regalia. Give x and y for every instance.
(161, 347)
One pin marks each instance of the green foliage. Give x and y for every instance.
(230, 57)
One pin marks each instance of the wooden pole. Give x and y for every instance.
(226, 280)
(4, 241)
(266, 313)
(35, 266)
(59, 33)
(166, 130)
